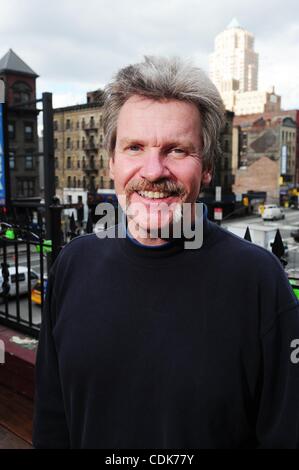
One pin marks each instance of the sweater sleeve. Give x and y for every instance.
(50, 428)
(278, 416)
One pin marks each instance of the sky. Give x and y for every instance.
(78, 45)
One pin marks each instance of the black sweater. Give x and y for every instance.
(167, 348)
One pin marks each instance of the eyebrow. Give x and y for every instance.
(174, 143)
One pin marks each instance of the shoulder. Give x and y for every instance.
(231, 246)
(84, 249)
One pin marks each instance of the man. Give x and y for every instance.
(148, 344)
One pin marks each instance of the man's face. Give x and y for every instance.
(158, 157)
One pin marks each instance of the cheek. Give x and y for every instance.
(124, 170)
(189, 174)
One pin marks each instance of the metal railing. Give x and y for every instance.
(26, 257)
(22, 267)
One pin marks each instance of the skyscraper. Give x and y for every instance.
(234, 71)
(234, 63)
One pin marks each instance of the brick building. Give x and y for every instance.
(81, 163)
(266, 152)
(20, 87)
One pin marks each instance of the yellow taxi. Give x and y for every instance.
(36, 293)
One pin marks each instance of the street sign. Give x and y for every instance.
(218, 213)
(2, 164)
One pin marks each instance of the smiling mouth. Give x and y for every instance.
(156, 194)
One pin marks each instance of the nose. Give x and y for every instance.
(154, 166)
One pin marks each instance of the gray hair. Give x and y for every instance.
(163, 78)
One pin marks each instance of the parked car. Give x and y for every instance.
(295, 235)
(22, 280)
(272, 212)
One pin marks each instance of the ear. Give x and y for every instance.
(206, 177)
(111, 168)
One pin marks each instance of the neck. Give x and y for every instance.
(143, 236)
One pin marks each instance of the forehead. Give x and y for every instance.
(141, 117)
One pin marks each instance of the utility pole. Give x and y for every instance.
(49, 166)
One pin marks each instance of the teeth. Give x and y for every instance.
(152, 194)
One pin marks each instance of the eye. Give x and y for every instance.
(134, 148)
(177, 151)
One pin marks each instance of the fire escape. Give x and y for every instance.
(91, 149)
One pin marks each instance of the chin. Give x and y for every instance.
(156, 229)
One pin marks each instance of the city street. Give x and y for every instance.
(285, 226)
(23, 299)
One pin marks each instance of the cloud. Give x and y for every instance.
(73, 44)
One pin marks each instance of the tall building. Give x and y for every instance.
(234, 71)
(20, 88)
(234, 63)
(81, 163)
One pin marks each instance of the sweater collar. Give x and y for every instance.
(174, 246)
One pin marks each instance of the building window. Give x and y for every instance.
(12, 160)
(78, 164)
(83, 143)
(84, 182)
(25, 187)
(79, 185)
(69, 182)
(102, 182)
(55, 126)
(68, 143)
(56, 182)
(70, 199)
(111, 184)
(55, 144)
(101, 161)
(92, 125)
(21, 92)
(74, 182)
(83, 163)
(101, 120)
(78, 125)
(28, 132)
(101, 139)
(28, 162)
(69, 163)
(78, 144)
(83, 123)
(68, 124)
(11, 130)
(56, 163)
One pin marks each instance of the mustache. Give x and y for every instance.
(165, 186)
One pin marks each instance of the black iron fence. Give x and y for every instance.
(26, 256)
